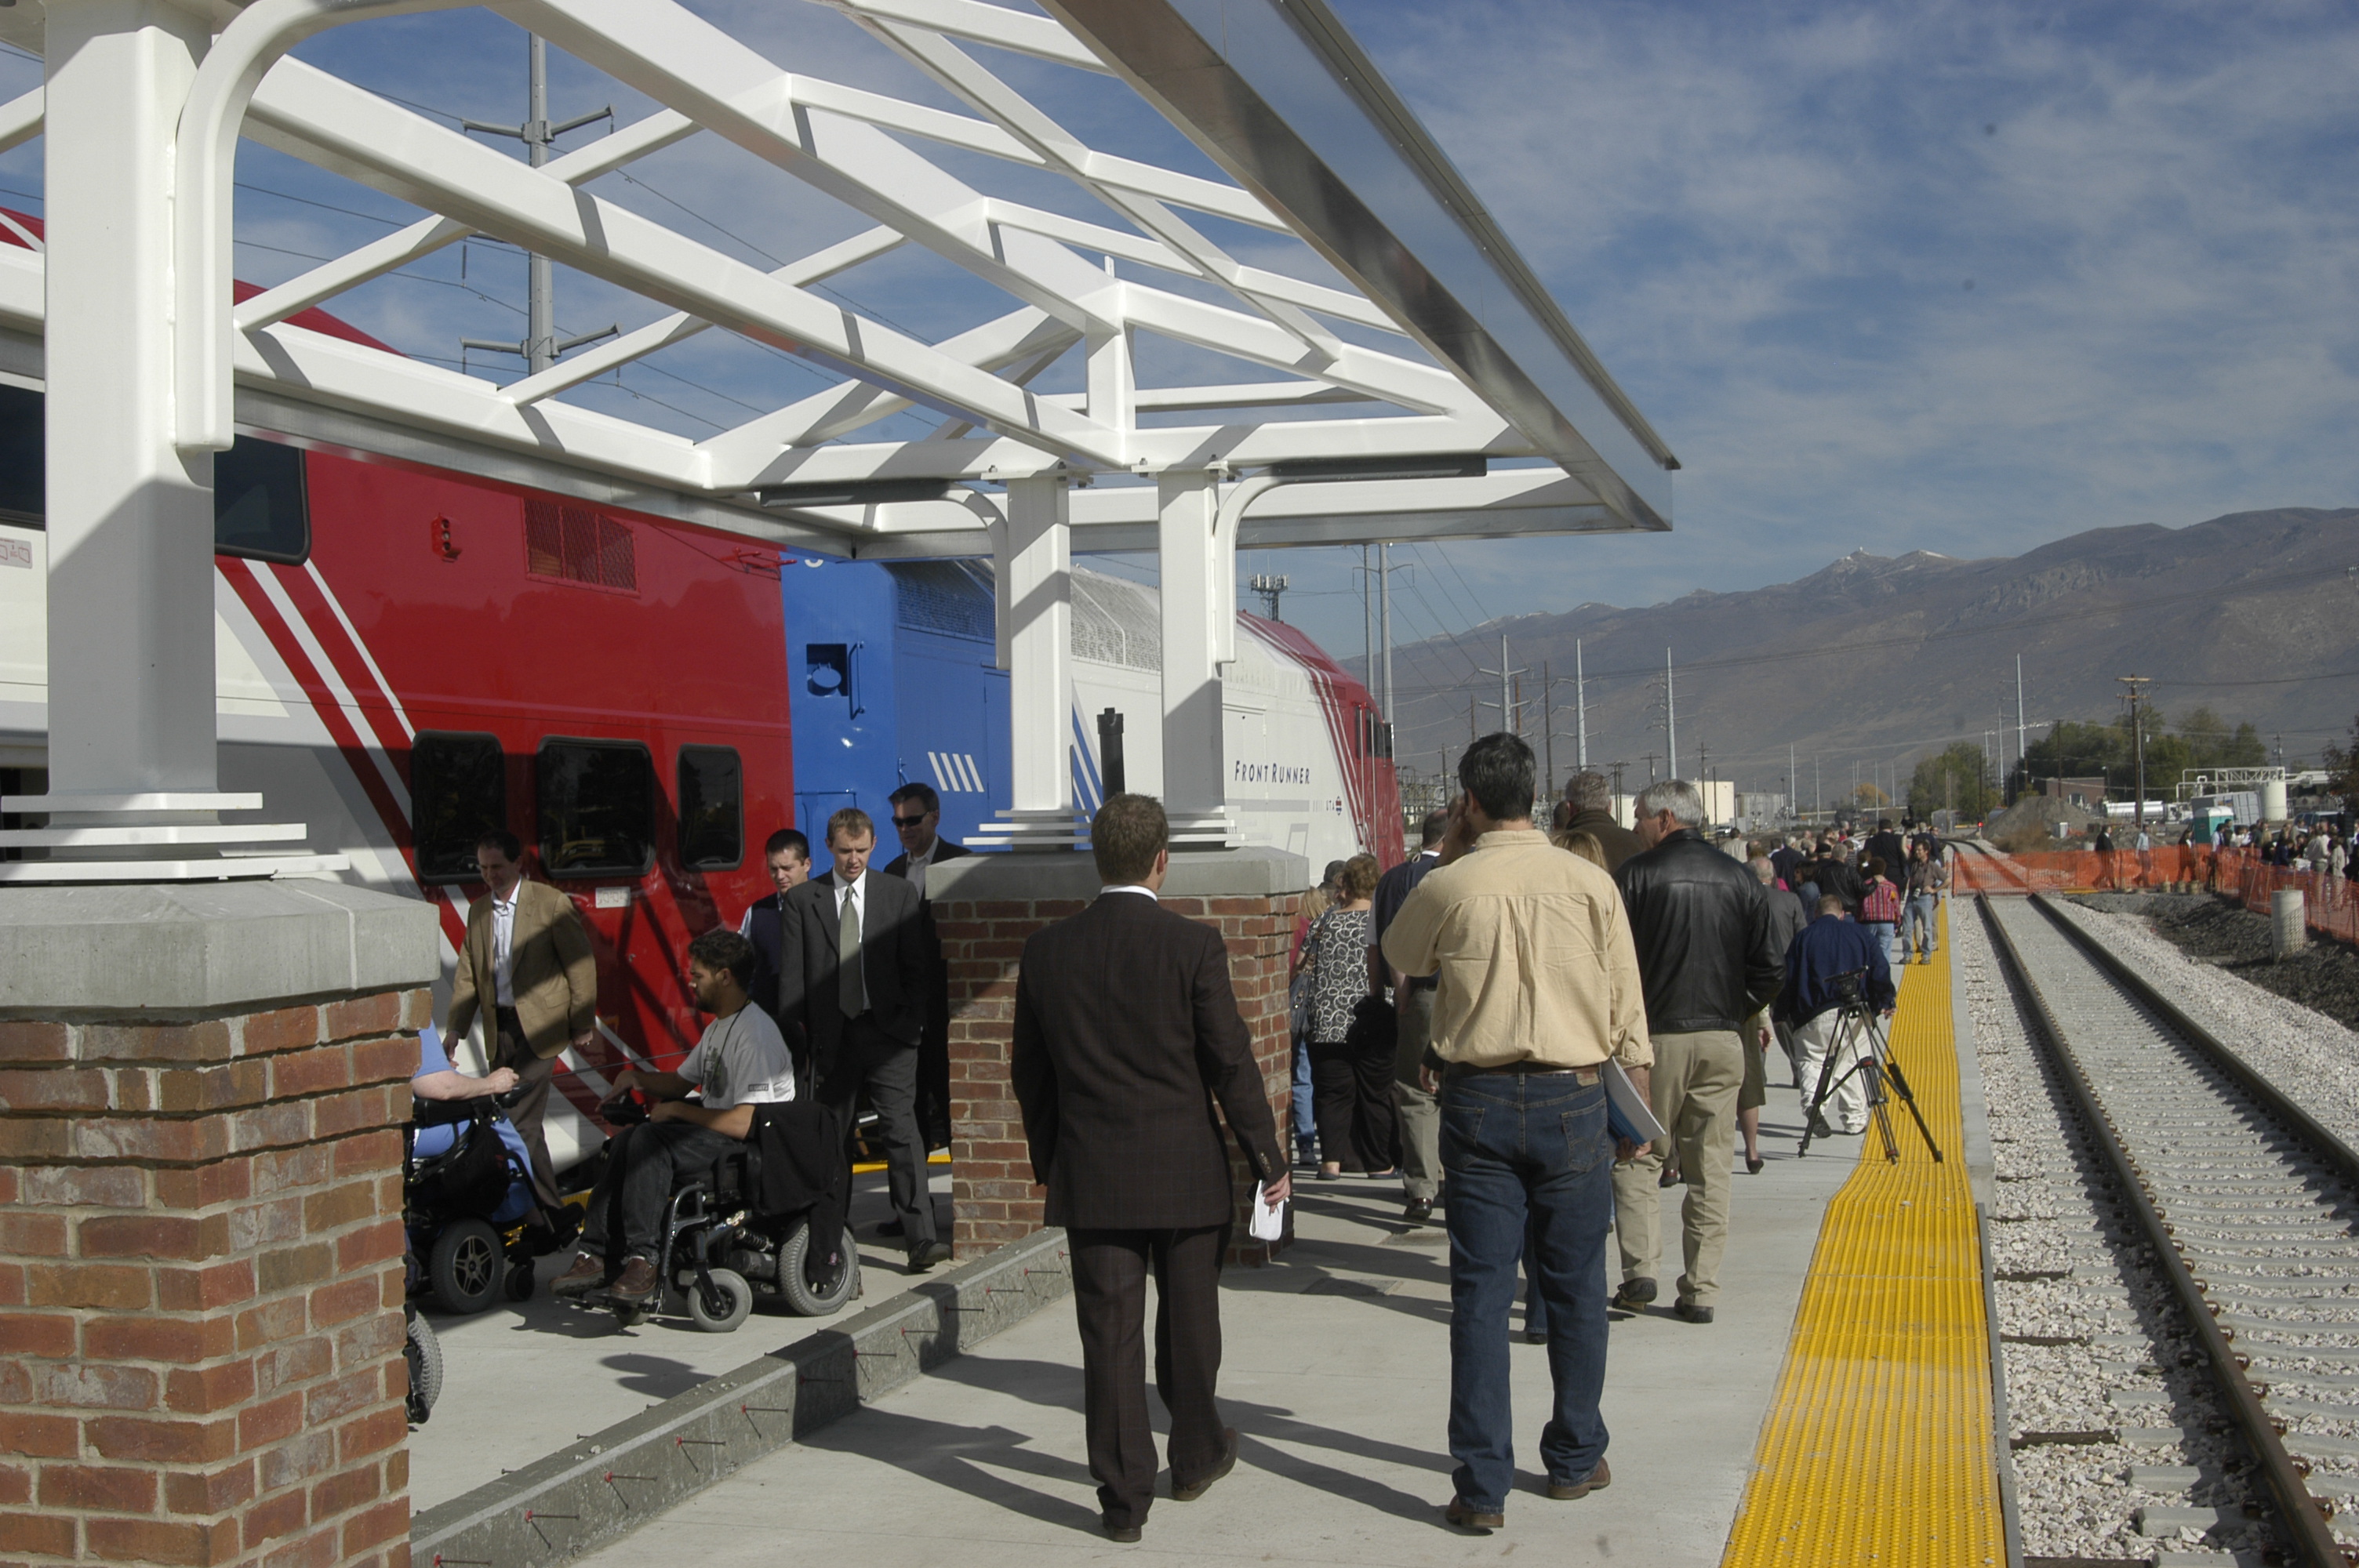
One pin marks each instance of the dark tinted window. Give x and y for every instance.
(597, 807)
(259, 506)
(711, 808)
(21, 456)
(458, 789)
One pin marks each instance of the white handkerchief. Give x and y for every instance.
(1267, 1224)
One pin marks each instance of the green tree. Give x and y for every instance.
(2343, 767)
(1960, 774)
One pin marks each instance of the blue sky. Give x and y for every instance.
(1956, 278)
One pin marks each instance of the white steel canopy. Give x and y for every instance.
(1373, 404)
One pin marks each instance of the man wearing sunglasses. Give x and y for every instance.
(917, 817)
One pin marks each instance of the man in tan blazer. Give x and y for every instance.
(528, 955)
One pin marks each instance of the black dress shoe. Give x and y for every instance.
(925, 1256)
(1462, 1514)
(1418, 1211)
(1634, 1293)
(1122, 1532)
(1187, 1492)
(1692, 1312)
(893, 1227)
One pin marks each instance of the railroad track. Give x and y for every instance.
(2251, 1206)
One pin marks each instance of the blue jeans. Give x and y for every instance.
(1306, 1124)
(1525, 1150)
(1921, 924)
(1880, 932)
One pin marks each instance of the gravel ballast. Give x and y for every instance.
(2312, 1058)
(2123, 1391)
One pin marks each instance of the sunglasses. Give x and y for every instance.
(909, 821)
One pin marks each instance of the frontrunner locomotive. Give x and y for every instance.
(407, 655)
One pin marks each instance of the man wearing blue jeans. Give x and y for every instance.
(1516, 1050)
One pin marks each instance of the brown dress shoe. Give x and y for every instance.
(1463, 1516)
(588, 1273)
(637, 1282)
(1187, 1492)
(1597, 1480)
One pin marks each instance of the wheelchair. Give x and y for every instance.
(721, 1251)
(473, 1225)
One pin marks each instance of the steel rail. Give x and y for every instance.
(2304, 1516)
(2298, 1123)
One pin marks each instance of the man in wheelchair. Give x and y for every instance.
(741, 1062)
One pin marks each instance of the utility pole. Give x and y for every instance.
(1650, 757)
(2021, 753)
(1793, 784)
(1367, 623)
(1507, 675)
(541, 346)
(1817, 789)
(1384, 616)
(1270, 588)
(2136, 698)
(1579, 705)
(1670, 719)
(1547, 730)
(1618, 788)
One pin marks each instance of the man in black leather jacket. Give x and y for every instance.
(1708, 961)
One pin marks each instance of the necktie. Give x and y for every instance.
(850, 986)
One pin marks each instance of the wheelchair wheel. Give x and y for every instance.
(465, 1269)
(423, 1355)
(723, 1307)
(521, 1282)
(826, 1298)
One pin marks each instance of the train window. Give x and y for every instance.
(23, 461)
(260, 509)
(711, 808)
(458, 790)
(597, 807)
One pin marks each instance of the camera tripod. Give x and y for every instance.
(1860, 1038)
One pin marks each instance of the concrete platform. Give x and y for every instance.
(1336, 1375)
(522, 1380)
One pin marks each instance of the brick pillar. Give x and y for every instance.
(201, 1246)
(987, 907)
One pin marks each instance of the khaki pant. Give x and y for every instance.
(1845, 1109)
(1420, 1113)
(1696, 1080)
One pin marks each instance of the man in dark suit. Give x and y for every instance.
(853, 976)
(917, 817)
(1127, 1032)
(787, 854)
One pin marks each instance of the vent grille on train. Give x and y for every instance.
(942, 596)
(575, 544)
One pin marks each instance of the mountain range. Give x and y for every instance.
(1874, 661)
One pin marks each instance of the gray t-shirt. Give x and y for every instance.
(742, 1060)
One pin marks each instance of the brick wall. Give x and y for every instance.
(201, 1287)
(983, 940)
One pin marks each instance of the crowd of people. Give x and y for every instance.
(830, 986)
(1462, 1024)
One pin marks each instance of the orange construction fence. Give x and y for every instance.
(2328, 901)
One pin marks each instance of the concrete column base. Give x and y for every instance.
(986, 905)
(201, 1090)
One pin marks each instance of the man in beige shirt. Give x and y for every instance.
(1538, 987)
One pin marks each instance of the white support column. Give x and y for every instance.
(1033, 563)
(1198, 562)
(130, 523)
(134, 776)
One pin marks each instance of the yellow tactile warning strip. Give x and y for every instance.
(1876, 1449)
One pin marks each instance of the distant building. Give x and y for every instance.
(2087, 794)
